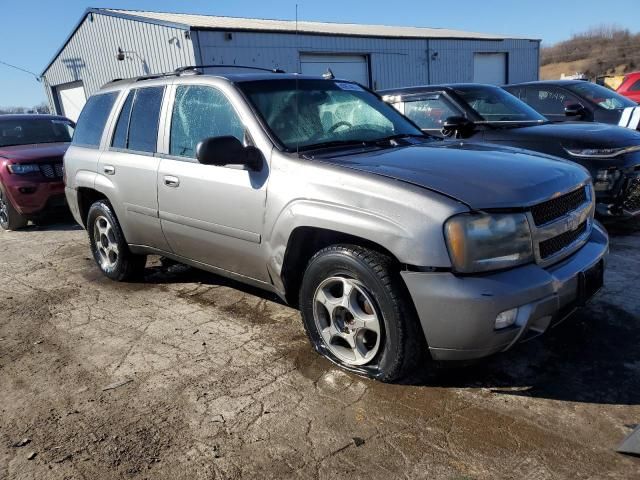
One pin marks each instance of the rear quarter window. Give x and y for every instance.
(137, 127)
(93, 119)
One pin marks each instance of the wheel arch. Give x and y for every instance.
(87, 196)
(306, 241)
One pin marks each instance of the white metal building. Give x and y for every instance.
(108, 44)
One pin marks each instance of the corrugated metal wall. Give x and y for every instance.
(394, 62)
(90, 55)
(454, 60)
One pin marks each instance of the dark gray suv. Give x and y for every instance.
(392, 245)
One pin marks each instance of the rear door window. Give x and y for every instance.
(200, 112)
(137, 127)
(122, 127)
(93, 119)
(430, 114)
(635, 87)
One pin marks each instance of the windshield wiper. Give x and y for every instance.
(337, 143)
(398, 136)
(364, 143)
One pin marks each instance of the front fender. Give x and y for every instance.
(410, 246)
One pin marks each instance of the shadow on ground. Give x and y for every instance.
(594, 356)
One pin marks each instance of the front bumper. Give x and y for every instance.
(33, 196)
(458, 313)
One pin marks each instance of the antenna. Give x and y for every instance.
(297, 91)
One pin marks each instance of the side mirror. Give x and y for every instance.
(228, 150)
(457, 125)
(574, 110)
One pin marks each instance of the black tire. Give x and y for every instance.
(124, 265)
(10, 219)
(402, 344)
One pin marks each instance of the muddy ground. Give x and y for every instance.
(187, 375)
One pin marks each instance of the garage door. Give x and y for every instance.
(72, 98)
(349, 67)
(490, 68)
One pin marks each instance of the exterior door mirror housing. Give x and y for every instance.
(228, 150)
(458, 126)
(574, 110)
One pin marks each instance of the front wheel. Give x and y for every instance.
(10, 219)
(358, 314)
(108, 245)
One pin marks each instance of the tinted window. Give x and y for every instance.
(635, 87)
(28, 130)
(600, 95)
(200, 112)
(122, 127)
(496, 105)
(429, 114)
(93, 119)
(145, 114)
(550, 100)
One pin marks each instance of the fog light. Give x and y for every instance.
(506, 319)
(27, 190)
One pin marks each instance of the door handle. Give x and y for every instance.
(109, 169)
(171, 181)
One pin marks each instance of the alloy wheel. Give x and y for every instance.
(4, 209)
(106, 243)
(347, 320)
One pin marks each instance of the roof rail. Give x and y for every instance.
(191, 68)
(194, 69)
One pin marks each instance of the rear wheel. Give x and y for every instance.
(358, 314)
(109, 247)
(10, 219)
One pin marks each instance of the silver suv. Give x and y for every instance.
(392, 246)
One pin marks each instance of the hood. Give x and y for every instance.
(479, 175)
(40, 151)
(579, 134)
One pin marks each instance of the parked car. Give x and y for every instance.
(484, 113)
(630, 87)
(31, 151)
(575, 100)
(315, 189)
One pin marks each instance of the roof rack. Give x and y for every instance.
(194, 69)
(191, 68)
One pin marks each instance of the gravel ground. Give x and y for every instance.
(187, 375)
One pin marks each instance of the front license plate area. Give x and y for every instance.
(590, 282)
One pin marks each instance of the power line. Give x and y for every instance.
(36, 76)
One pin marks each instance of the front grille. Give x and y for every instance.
(558, 207)
(553, 245)
(51, 170)
(631, 201)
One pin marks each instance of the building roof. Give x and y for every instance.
(210, 22)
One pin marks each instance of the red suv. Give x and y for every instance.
(31, 177)
(630, 86)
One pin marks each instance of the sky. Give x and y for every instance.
(31, 31)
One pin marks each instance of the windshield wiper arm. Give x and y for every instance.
(337, 143)
(363, 143)
(398, 136)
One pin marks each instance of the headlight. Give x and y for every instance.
(606, 179)
(482, 242)
(23, 168)
(600, 152)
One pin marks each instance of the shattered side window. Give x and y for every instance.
(200, 112)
